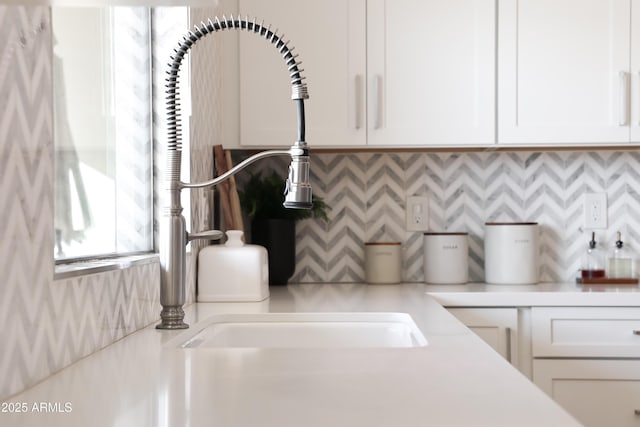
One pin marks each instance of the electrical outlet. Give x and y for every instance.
(417, 213)
(595, 210)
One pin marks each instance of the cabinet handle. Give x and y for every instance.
(358, 94)
(636, 332)
(637, 411)
(377, 121)
(624, 98)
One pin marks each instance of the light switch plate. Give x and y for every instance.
(417, 213)
(595, 210)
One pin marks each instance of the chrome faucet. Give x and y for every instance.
(297, 190)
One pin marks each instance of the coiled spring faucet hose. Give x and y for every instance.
(298, 88)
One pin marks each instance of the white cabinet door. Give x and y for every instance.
(498, 327)
(431, 72)
(596, 392)
(329, 37)
(635, 71)
(586, 331)
(563, 71)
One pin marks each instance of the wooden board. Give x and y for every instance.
(224, 190)
(236, 209)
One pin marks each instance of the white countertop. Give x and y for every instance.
(456, 380)
(541, 294)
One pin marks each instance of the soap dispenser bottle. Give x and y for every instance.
(593, 261)
(233, 272)
(620, 261)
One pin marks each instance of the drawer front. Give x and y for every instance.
(596, 392)
(586, 332)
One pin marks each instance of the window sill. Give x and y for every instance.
(100, 265)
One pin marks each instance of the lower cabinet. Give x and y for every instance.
(498, 327)
(588, 360)
(595, 392)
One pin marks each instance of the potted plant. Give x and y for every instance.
(273, 225)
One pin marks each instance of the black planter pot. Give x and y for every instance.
(279, 237)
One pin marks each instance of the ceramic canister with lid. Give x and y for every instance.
(383, 262)
(446, 257)
(511, 252)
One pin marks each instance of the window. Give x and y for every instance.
(103, 131)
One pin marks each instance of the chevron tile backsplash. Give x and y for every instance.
(52, 323)
(56, 322)
(367, 193)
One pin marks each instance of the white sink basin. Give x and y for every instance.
(304, 330)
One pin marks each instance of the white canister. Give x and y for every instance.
(383, 262)
(511, 252)
(446, 257)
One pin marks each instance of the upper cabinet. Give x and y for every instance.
(635, 71)
(566, 71)
(330, 38)
(427, 73)
(380, 73)
(431, 72)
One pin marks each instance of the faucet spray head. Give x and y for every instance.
(297, 190)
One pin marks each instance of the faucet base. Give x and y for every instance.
(172, 318)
